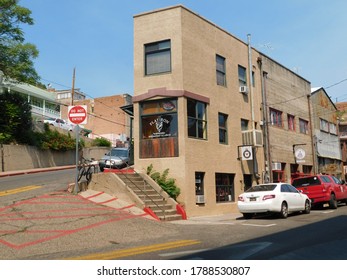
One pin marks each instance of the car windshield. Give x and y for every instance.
(118, 153)
(262, 188)
(306, 182)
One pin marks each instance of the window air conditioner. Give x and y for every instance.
(243, 89)
(200, 199)
(252, 138)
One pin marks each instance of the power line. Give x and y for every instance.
(340, 82)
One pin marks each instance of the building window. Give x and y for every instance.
(242, 76)
(332, 128)
(324, 125)
(158, 57)
(303, 126)
(197, 121)
(199, 187)
(291, 122)
(220, 70)
(158, 129)
(244, 124)
(275, 117)
(223, 131)
(225, 187)
(159, 119)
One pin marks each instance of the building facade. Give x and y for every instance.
(287, 122)
(43, 103)
(191, 106)
(326, 139)
(220, 115)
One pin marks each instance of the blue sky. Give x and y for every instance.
(96, 37)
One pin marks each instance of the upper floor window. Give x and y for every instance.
(324, 125)
(158, 57)
(242, 76)
(223, 131)
(332, 128)
(197, 120)
(303, 126)
(276, 117)
(291, 122)
(220, 70)
(244, 124)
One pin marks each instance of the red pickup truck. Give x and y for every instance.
(322, 189)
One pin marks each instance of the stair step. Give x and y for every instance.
(175, 217)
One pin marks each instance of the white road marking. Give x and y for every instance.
(255, 225)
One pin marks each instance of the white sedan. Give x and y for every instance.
(278, 198)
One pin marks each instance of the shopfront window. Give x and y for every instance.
(159, 128)
(225, 187)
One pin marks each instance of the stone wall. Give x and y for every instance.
(22, 157)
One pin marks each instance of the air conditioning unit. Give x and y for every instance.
(252, 138)
(276, 166)
(200, 199)
(243, 89)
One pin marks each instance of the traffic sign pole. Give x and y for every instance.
(77, 115)
(77, 189)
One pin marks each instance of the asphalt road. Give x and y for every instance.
(49, 223)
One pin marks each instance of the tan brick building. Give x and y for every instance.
(197, 112)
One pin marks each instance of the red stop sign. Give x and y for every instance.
(77, 114)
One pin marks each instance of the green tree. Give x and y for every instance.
(15, 118)
(16, 55)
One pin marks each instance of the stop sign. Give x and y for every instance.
(78, 114)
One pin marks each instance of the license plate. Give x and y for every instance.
(252, 199)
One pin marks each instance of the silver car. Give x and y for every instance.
(115, 158)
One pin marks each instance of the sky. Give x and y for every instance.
(95, 37)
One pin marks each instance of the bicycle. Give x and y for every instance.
(86, 168)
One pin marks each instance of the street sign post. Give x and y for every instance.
(77, 115)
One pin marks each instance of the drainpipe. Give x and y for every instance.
(267, 158)
(250, 86)
(313, 138)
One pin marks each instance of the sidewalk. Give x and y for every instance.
(35, 170)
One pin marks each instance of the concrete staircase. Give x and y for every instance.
(152, 199)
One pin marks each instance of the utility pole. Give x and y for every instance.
(73, 86)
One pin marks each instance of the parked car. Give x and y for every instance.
(322, 189)
(59, 123)
(280, 198)
(115, 158)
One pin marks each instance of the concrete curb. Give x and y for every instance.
(35, 170)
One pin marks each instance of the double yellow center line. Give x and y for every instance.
(19, 190)
(137, 250)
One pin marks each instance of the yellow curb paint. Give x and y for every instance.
(19, 190)
(137, 250)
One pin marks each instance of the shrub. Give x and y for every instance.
(167, 184)
(101, 142)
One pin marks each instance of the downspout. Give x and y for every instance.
(313, 141)
(268, 172)
(250, 85)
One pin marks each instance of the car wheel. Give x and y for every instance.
(101, 169)
(307, 207)
(247, 216)
(333, 201)
(284, 210)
